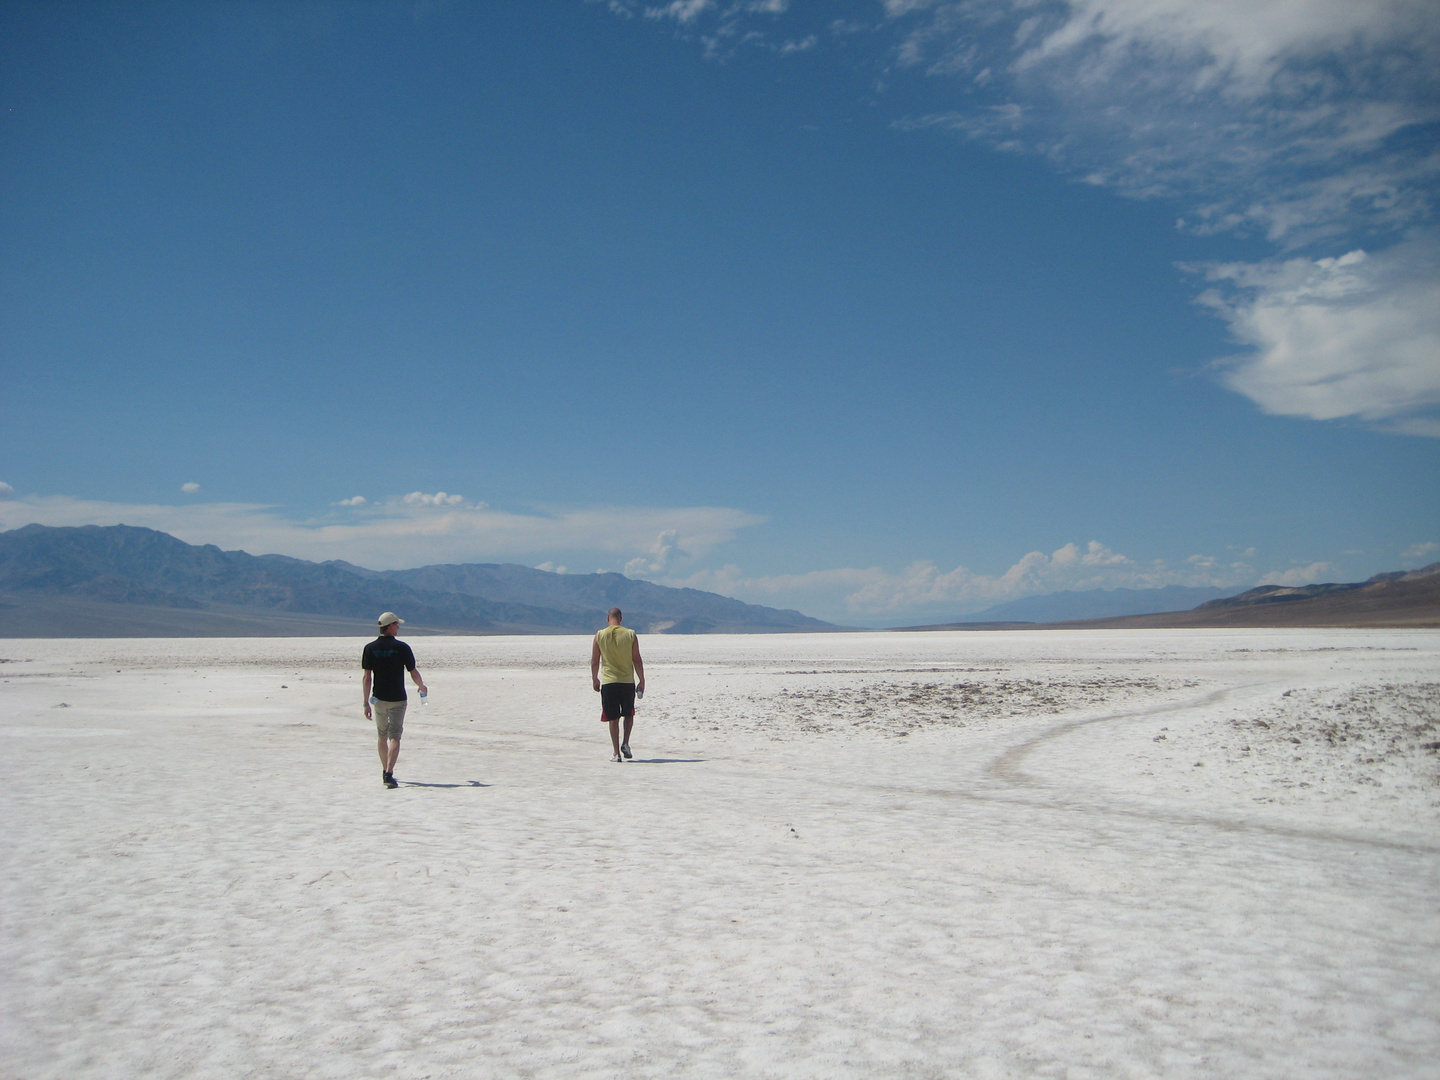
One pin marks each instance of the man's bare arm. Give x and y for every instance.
(595, 664)
(365, 693)
(419, 682)
(639, 666)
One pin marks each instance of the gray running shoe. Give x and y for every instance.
(625, 749)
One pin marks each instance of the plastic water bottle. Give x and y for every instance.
(422, 698)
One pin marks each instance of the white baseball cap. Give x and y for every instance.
(387, 618)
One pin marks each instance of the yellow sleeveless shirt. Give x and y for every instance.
(617, 654)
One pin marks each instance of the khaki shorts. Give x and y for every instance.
(389, 717)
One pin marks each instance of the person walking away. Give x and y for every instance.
(385, 660)
(615, 667)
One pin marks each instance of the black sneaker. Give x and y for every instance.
(390, 780)
(625, 749)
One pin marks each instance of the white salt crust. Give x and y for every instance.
(1048, 854)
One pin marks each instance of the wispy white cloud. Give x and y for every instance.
(190, 488)
(682, 11)
(1354, 336)
(1241, 47)
(440, 498)
(1286, 116)
(394, 533)
(354, 500)
(1302, 119)
(722, 27)
(6, 490)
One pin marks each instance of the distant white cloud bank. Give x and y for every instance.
(668, 545)
(924, 592)
(1418, 553)
(413, 531)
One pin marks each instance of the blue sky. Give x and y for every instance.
(888, 311)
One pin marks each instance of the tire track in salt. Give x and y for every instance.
(1006, 768)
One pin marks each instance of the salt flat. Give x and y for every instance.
(1069, 854)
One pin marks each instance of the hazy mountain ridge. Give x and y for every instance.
(590, 592)
(1097, 604)
(121, 566)
(1396, 598)
(1285, 594)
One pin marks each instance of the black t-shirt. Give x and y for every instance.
(389, 659)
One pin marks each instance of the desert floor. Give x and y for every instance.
(1068, 854)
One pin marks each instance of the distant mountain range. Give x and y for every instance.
(1097, 604)
(122, 581)
(1398, 598)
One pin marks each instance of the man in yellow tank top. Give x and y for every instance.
(618, 674)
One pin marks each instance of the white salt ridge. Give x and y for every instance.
(835, 855)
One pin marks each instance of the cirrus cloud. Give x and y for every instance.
(1311, 123)
(1282, 115)
(1308, 121)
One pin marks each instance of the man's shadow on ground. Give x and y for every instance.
(632, 761)
(666, 761)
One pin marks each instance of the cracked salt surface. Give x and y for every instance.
(864, 855)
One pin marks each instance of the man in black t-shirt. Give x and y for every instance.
(385, 660)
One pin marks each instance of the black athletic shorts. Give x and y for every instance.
(617, 700)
